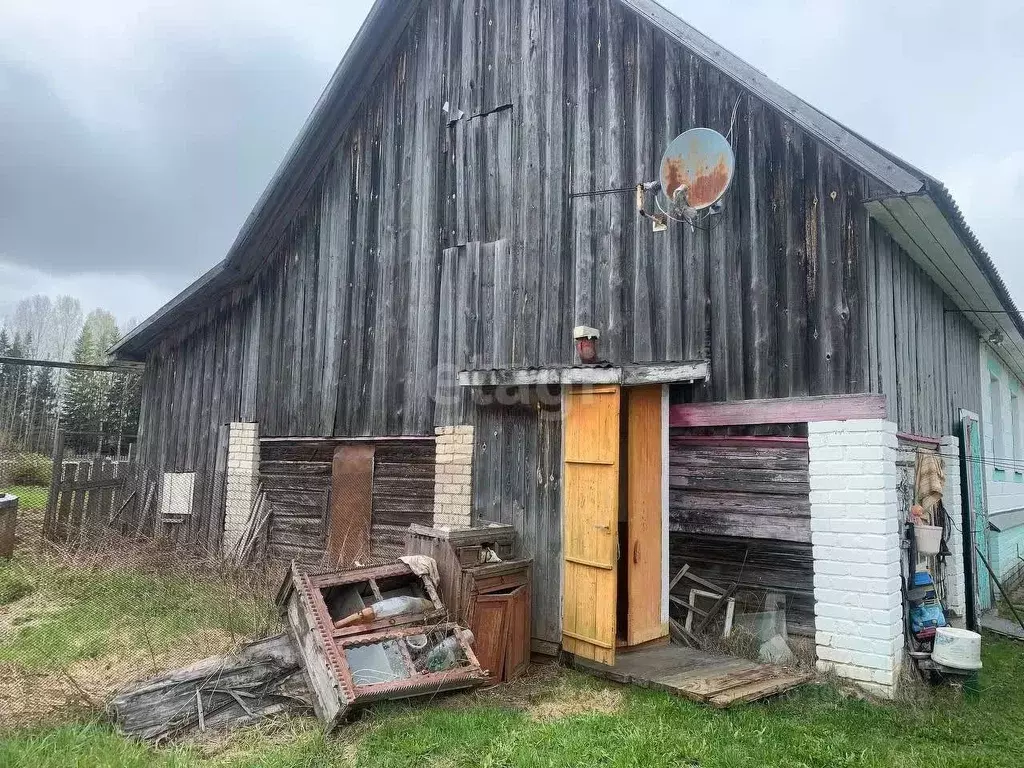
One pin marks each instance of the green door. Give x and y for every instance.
(975, 515)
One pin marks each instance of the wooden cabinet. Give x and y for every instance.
(492, 599)
(497, 610)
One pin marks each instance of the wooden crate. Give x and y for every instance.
(492, 599)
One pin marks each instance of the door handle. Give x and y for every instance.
(636, 553)
(603, 528)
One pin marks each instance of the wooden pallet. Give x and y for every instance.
(718, 681)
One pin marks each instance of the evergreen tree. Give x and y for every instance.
(6, 378)
(85, 396)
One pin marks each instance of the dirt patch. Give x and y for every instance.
(547, 692)
(567, 700)
(26, 612)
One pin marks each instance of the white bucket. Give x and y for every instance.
(929, 539)
(957, 648)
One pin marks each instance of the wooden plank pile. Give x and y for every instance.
(718, 681)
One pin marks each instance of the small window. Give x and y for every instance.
(995, 401)
(176, 492)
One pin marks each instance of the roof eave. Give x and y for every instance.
(930, 228)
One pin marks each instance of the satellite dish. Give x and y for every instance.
(696, 171)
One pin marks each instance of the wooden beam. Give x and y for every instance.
(740, 441)
(632, 375)
(122, 367)
(788, 410)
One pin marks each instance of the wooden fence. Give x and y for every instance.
(85, 495)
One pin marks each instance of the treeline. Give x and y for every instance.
(36, 402)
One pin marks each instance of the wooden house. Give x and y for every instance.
(397, 314)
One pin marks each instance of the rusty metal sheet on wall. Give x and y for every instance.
(350, 509)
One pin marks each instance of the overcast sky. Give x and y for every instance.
(136, 135)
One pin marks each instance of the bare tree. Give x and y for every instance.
(67, 324)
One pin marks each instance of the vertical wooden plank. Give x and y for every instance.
(583, 175)
(695, 242)
(644, 283)
(727, 324)
(446, 389)
(760, 338)
(62, 526)
(643, 554)
(886, 334)
(78, 503)
(56, 475)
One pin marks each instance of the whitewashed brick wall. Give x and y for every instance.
(243, 466)
(453, 476)
(953, 573)
(855, 534)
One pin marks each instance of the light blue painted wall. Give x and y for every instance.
(1007, 545)
(1004, 473)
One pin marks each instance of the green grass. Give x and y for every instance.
(815, 726)
(86, 613)
(29, 496)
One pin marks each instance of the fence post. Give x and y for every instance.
(55, 480)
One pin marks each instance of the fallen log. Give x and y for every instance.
(261, 679)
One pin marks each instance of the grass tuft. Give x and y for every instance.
(15, 584)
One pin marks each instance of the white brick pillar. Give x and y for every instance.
(953, 572)
(242, 468)
(855, 533)
(453, 476)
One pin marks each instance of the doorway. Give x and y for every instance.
(614, 506)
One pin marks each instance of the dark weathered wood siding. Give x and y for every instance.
(517, 471)
(296, 477)
(924, 355)
(442, 234)
(742, 515)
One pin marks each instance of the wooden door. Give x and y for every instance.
(590, 515)
(517, 656)
(644, 494)
(491, 634)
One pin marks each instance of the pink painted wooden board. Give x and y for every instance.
(790, 410)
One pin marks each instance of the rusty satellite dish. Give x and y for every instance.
(695, 172)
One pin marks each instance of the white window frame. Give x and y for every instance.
(995, 397)
(1015, 428)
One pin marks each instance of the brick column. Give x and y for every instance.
(453, 476)
(953, 573)
(855, 533)
(243, 467)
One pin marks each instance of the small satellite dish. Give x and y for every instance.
(696, 171)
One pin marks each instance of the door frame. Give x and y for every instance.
(973, 492)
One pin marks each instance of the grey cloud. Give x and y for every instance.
(194, 120)
(215, 119)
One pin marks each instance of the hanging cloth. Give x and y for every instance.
(931, 480)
